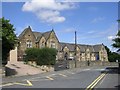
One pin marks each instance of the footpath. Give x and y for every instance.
(21, 69)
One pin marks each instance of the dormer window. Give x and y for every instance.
(29, 44)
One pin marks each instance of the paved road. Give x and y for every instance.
(111, 80)
(75, 78)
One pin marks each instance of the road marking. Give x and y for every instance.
(49, 78)
(63, 75)
(9, 84)
(95, 82)
(102, 80)
(29, 83)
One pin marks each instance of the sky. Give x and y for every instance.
(94, 22)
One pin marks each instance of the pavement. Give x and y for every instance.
(20, 69)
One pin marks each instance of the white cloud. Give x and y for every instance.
(48, 10)
(98, 19)
(111, 37)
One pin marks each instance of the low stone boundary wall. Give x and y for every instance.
(71, 64)
(43, 67)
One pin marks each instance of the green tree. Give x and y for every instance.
(116, 43)
(8, 39)
(112, 56)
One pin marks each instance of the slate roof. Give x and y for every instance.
(82, 47)
(71, 47)
(38, 35)
(97, 47)
(46, 34)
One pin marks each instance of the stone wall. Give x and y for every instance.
(46, 68)
(79, 64)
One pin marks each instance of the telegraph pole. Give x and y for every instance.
(75, 49)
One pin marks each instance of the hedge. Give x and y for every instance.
(43, 56)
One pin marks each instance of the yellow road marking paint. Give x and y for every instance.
(22, 84)
(102, 80)
(49, 78)
(9, 84)
(95, 81)
(29, 83)
(63, 75)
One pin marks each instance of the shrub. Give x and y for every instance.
(31, 54)
(47, 56)
(43, 56)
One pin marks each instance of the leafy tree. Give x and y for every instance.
(116, 43)
(8, 39)
(112, 56)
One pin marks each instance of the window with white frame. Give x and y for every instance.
(29, 44)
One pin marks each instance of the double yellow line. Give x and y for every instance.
(95, 82)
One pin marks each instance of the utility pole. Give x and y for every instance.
(75, 50)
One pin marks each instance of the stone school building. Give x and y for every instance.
(29, 39)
